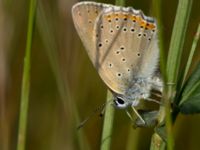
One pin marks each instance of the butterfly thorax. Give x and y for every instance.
(138, 89)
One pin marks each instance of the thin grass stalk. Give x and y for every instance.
(173, 62)
(157, 142)
(107, 125)
(26, 79)
(44, 25)
(193, 48)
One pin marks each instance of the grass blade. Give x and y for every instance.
(26, 79)
(177, 40)
(194, 45)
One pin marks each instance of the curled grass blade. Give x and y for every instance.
(194, 45)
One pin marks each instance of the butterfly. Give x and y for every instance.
(122, 44)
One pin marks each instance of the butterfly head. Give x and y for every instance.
(120, 102)
(123, 102)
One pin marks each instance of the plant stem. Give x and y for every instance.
(173, 63)
(172, 68)
(108, 124)
(26, 79)
(157, 142)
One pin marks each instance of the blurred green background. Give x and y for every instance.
(65, 87)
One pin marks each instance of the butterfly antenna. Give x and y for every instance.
(100, 108)
(157, 95)
(136, 112)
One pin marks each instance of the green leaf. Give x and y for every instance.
(190, 99)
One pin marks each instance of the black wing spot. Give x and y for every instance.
(125, 29)
(119, 74)
(123, 59)
(122, 48)
(100, 45)
(117, 52)
(132, 30)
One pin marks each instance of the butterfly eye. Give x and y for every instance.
(120, 103)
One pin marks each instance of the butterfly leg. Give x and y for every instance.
(138, 115)
(153, 100)
(156, 94)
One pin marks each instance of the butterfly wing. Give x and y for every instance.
(121, 42)
(84, 16)
(126, 47)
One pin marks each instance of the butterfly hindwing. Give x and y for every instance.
(124, 41)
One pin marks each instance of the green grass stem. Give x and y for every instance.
(157, 142)
(173, 62)
(107, 125)
(26, 79)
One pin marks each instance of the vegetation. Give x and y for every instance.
(48, 84)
